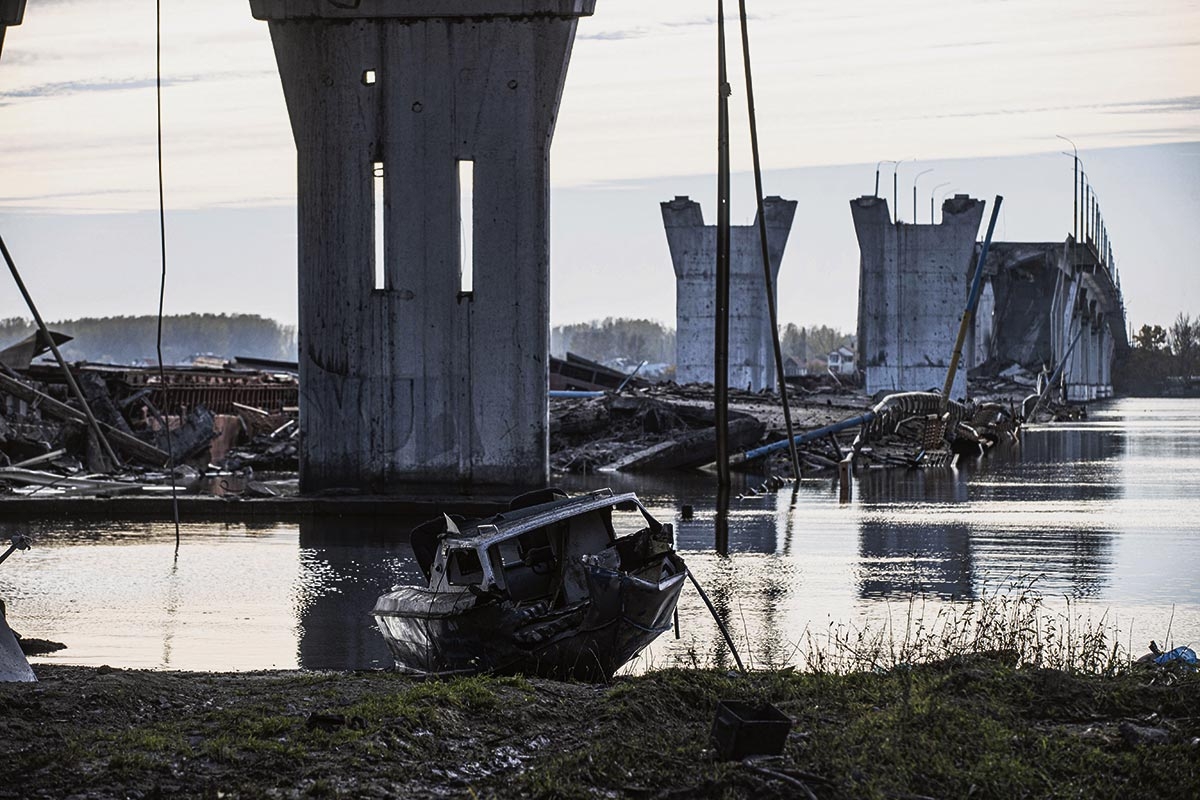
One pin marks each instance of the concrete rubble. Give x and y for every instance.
(666, 426)
(234, 424)
(207, 422)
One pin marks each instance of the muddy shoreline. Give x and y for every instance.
(966, 727)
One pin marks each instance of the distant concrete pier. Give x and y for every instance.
(694, 253)
(419, 126)
(913, 286)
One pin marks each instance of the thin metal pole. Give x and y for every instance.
(769, 284)
(1074, 197)
(969, 313)
(1074, 189)
(87, 410)
(716, 617)
(1085, 213)
(721, 522)
(162, 238)
(721, 338)
(917, 178)
(1092, 201)
(896, 193)
(932, 192)
(807, 436)
(878, 164)
(1083, 184)
(1057, 372)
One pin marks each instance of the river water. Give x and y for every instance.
(1101, 516)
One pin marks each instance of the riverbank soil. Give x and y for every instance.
(963, 728)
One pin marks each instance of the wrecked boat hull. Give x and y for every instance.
(546, 588)
(589, 641)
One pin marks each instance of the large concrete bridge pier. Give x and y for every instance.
(11, 13)
(420, 125)
(913, 285)
(694, 255)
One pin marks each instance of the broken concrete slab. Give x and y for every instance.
(695, 449)
(19, 356)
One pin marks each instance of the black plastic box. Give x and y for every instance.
(741, 729)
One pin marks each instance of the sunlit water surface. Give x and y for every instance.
(1101, 516)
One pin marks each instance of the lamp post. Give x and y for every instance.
(932, 192)
(878, 164)
(915, 179)
(896, 192)
(1074, 188)
(1084, 194)
(1091, 214)
(942, 197)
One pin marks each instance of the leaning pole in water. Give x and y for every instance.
(972, 301)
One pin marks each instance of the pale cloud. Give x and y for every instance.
(78, 87)
(614, 36)
(1169, 104)
(940, 78)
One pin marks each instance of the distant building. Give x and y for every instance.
(841, 361)
(794, 368)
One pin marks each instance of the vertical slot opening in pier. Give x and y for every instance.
(466, 224)
(368, 77)
(379, 216)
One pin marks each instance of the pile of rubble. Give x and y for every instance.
(102, 430)
(639, 432)
(667, 426)
(1029, 393)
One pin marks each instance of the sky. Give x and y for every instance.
(975, 91)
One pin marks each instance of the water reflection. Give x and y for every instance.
(344, 565)
(1033, 511)
(902, 558)
(1101, 511)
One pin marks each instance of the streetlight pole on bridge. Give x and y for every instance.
(878, 164)
(1074, 189)
(896, 191)
(932, 192)
(915, 179)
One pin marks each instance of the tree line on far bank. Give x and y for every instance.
(1160, 357)
(132, 340)
(635, 340)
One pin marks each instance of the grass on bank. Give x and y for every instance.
(1017, 623)
(1004, 698)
